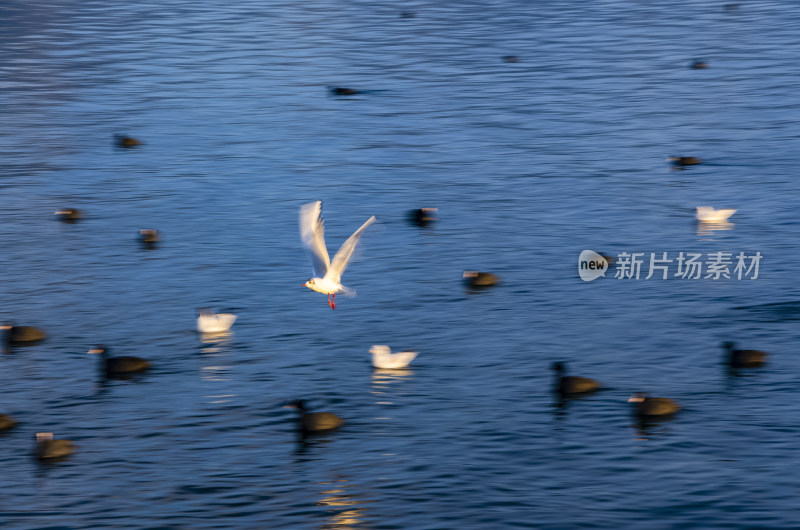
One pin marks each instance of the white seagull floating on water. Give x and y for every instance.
(210, 322)
(708, 214)
(327, 273)
(382, 357)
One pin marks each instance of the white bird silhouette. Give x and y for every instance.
(382, 357)
(327, 273)
(210, 322)
(708, 214)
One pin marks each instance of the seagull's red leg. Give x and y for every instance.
(333, 301)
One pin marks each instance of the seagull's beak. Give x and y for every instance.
(304, 285)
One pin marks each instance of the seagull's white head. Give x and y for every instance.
(312, 284)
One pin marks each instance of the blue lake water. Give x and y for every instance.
(529, 164)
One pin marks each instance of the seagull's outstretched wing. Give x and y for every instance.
(312, 232)
(342, 257)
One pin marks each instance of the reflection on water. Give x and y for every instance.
(216, 350)
(646, 429)
(339, 494)
(382, 379)
(707, 228)
(215, 339)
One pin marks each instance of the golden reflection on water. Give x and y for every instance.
(336, 495)
(382, 378)
(215, 339)
(707, 228)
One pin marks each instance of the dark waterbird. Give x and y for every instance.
(510, 59)
(126, 142)
(571, 385)
(477, 280)
(343, 91)
(646, 407)
(684, 161)
(314, 422)
(743, 358)
(6, 422)
(119, 366)
(149, 237)
(47, 448)
(773, 312)
(423, 216)
(68, 215)
(22, 334)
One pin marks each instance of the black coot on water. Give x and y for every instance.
(314, 422)
(566, 385)
(119, 366)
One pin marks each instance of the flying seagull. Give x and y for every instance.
(327, 273)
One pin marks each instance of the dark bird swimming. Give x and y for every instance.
(126, 142)
(684, 161)
(6, 422)
(47, 448)
(423, 216)
(118, 366)
(653, 407)
(22, 334)
(476, 280)
(743, 358)
(69, 215)
(570, 385)
(149, 238)
(343, 91)
(314, 422)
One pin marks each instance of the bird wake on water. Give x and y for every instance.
(327, 273)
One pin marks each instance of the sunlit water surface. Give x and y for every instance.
(529, 163)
